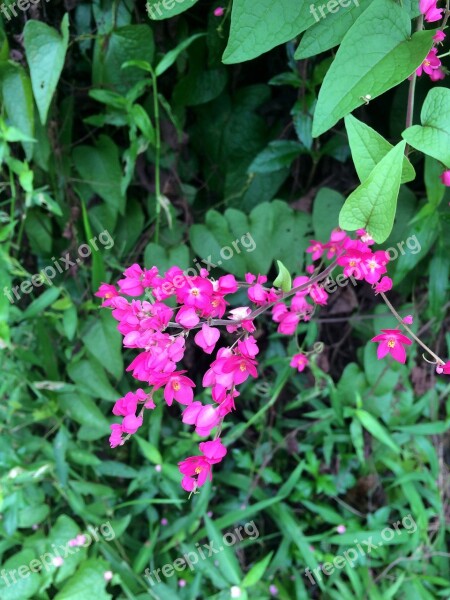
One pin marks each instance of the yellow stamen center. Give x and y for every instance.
(198, 470)
(391, 343)
(242, 366)
(195, 292)
(176, 386)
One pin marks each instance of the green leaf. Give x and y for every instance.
(326, 208)
(46, 51)
(128, 43)
(372, 205)
(369, 147)
(83, 410)
(101, 170)
(157, 11)
(278, 155)
(18, 101)
(257, 571)
(228, 563)
(148, 450)
(388, 55)
(376, 429)
(284, 279)
(104, 341)
(434, 186)
(259, 25)
(45, 300)
(170, 57)
(88, 578)
(91, 378)
(328, 33)
(24, 587)
(433, 136)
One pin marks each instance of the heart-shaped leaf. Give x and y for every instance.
(46, 51)
(388, 56)
(372, 205)
(369, 147)
(433, 136)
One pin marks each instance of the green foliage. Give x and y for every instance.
(132, 131)
(433, 136)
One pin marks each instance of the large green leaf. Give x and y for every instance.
(329, 32)
(369, 147)
(326, 208)
(377, 53)
(104, 341)
(101, 170)
(273, 227)
(19, 588)
(433, 137)
(376, 429)
(46, 51)
(259, 25)
(157, 11)
(372, 205)
(18, 100)
(128, 43)
(88, 579)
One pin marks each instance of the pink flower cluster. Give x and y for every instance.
(432, 65)
(159, 333)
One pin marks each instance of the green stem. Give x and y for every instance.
(157, 155)
(413, 335)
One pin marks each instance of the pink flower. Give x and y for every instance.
(384, 285)
(288, 323)
(443, 369)
(214, 450)
(430, 10)
(106, 291)
(316, 249)
(164, 522)
(374, 266)
(131, 423)
(445, 177)
(203, 417)
(437, 74)
(187, 317)
(430, 63)
(197, 293)
(197, 469)
(219, 11)
(391, 341)
(341, 529)
(128, 404)
(299, 362)
(310, 269)
(351, 261)
(177, 386)
(408, 320)
(207, 338)
(240, 368)
(115, 438)
(136, 280)
(439, 36)
(107, 575)
(58, 561)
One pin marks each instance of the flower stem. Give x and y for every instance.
(400, 320)
(157, 154)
